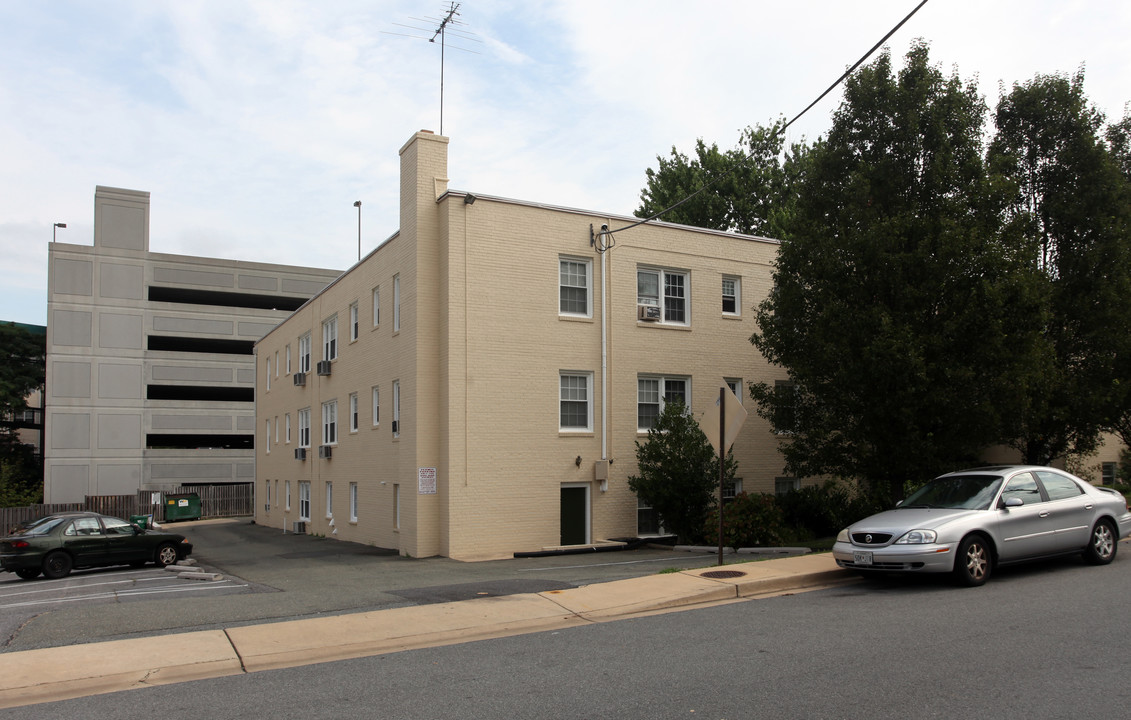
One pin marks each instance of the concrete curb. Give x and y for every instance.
(49, 674)
(62, 673)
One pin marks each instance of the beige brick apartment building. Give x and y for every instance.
(476, 385)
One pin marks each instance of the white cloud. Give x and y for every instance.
(256, 124)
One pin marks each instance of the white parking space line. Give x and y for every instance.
(220, 585)
(55, 586)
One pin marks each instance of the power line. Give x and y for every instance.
(780, 131)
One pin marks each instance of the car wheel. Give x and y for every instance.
(57, 565)
(1102, 544)
(166, 555)
(974, 562)
(28, 573)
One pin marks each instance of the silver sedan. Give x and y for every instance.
(967, 523)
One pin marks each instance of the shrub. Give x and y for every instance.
(824, 510)
(748, 521)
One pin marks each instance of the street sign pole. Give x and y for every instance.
(722, 462)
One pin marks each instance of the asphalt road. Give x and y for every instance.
(271, 576)
(1039, 641)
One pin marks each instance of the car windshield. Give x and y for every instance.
(967, 492)
(41, 526)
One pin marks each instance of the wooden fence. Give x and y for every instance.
(233, 500)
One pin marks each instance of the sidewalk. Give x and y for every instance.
(60, 673)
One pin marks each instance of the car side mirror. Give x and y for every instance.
(1013, 502)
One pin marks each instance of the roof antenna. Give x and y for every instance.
(446, 23)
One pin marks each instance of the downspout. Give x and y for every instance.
(604, 372)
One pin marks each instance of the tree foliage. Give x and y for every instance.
(900, 309)
(938, 291)
(678, 472)
(21, 371)
(22, 367)
(1070, 200)
(749, 189)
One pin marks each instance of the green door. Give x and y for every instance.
(575, 515)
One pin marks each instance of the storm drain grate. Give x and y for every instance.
(723, 574)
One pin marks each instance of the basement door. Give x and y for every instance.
(575, 514)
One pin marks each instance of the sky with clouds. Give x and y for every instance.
(256, 124)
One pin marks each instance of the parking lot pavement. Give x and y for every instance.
(274, 576)
(103, 585)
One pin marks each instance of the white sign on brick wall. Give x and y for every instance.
(426, 481)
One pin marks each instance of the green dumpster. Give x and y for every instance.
(182, 507)
(142, 521)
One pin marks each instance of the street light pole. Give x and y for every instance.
(358, 206)
(53, 227)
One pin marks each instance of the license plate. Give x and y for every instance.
(861, 557)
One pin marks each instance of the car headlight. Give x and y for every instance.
(917, 537)
(842, 536)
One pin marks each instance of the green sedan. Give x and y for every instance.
(56, 544)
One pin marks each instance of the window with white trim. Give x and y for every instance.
(575, 401)
(268, 374)
(783, 485)
(666, 289)
(376, 406)
(329, 500)
(304, 353)
(353, 502)
(353, 412)
(276, 363)
(396, 506)
(1108, 473)
(287, 417)
(330, 422)
(267, 444)
(396, 303)
(396, 408)
(353, 321)
(304, 500)
(735, 385)
(287, 350)
(376, 306)
(330, 338)
(731, 490)
(732, 295)
(653, 393)
(304, 428)
(288, 496)
(276, 429)
(267, 495)
(575, 287)
(647, 520)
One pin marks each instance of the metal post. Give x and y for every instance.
(722, 462)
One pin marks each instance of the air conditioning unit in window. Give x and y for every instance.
(300, 453)
(323, 367)
(648, 313)
(300, 378)
(298, 527)
(325, 451)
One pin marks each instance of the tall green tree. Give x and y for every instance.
(678, 472)
(1070, 199)
(749, 189)
(22, 364)
(901, 310)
